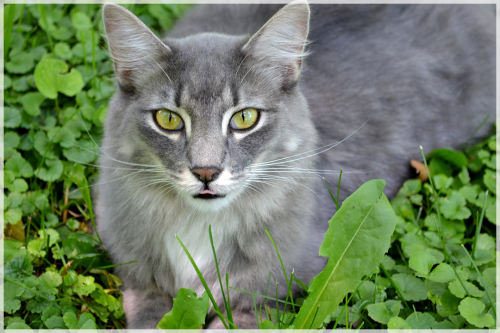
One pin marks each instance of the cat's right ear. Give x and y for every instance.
(135, 48)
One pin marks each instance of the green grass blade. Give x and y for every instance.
(278, 319)
(333, 198)
(218, 273)
(203, 282)
(394, 284)
(111, 266)
(302, 284)
(479, 225)
(255, 294)
(230, 312)
(9, 11)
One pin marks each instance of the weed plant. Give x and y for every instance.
(439, 270)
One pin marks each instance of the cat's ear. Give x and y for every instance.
(281, 42)
(135, 48)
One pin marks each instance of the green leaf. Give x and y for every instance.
(20, 84)
(43, 146)
(489, 179)
(464, 176)
(62, 135)
(11, 140)
(52, 170)
(19, 326)
(454, 157)
(18, 185)
(442, 273)
(83, 152)
(13, 215)
(438, 166)
(471, 309)
(31, 103)
(358, 236)
(20, 64)
(80, 20)
(55, 322)
(422, 263)
(48, 282)
(413, 289)
(456, 289)
(84, 286)
(63, 51)
(441, 182)
(19, 167)
(383, 312)
(188, 312)
(70, 320)
(491, 214)
(11, 117)
(50, 78)
(11, 292)
(410, 187)
(398, 323)
(453, 207)
(449, 304)
(444, 325)
(419, 320)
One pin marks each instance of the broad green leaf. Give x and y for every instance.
(439, 166)
(442, 273)
(70, 320)
(471, 309)
(489, 179)
(456, 289)
(19, 326)
(388, 262)
(20, 64)
(469, 193)
(18, 185)
(20, 84)
(449, 304)
(419, 320)
(410, 187)
(11, 140)
(453, 207)
(356, 241)
(19, 167)
(51, 78)
(489, 278)
(422, 263)
(383, 312)
(11, 294)
(444, 325)
(51, 171)
(31, 103)
(13, 215)
(398, 323)
(441, 182)
(49, 281)
(188, 312)
(83, 152)
(61, 135)
(80, 20)
(413, 289)
(464, 176)
(491, 214)
(54, 322)
(43, 145)
(84, 286)
(63, 51)
(11, 117)
(458, 159)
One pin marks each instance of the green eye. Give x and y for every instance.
(169, 120)
(244, 118)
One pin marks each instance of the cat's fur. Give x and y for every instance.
(416, 74)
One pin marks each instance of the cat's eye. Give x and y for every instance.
(169, 120)
(244, 119)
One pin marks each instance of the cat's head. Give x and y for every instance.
(215, 111)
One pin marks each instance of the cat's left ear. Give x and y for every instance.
(281, 42)
(135, 48)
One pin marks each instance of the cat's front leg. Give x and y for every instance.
(242, 320)
(144, 309)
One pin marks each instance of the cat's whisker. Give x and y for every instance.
(108, 156)
(325, 148)
(161, 69)
(110, 181)
(290, 180)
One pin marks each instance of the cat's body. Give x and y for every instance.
(417, 75)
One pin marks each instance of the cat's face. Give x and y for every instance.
(212, 110)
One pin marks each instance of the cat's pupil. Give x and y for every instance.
(243, 116)
(170, 117)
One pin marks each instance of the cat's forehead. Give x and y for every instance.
(205, 67)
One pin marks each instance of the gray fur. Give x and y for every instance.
(416, 74)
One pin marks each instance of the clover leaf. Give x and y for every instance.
(453, 207)
(413, 289)
(51, 78)
(31, 103)
(471, 309)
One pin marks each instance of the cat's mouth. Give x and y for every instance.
(207, 194)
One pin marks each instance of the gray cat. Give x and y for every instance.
(233, 119)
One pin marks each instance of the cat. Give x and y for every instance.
(234, 117)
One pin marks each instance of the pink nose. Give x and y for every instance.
(206, 175)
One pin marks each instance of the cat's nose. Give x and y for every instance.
(206, 175)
